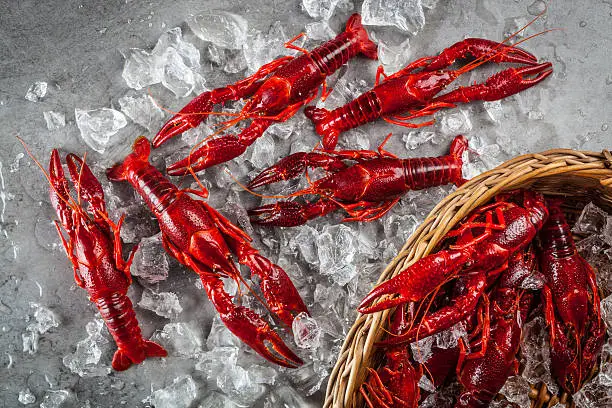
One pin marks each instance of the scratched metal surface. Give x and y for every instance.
(76, 48)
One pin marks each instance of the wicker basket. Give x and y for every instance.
(586, 176)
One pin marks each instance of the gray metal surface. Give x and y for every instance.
(76, 48)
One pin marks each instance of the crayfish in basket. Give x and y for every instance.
(494, 251)
(93, 245)
(274, 93)
(494, 328)
(367, 190)
(202, 239)
(414, 89)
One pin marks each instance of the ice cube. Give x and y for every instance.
(217, 400)
(262, 155)
(224, 29)
(407, 15)
(180, 339)
(319, 31)
(85, 360)
(394, 57)
(26, 397)
(494, 110)
(262, 375)
(178, 77)
(421, 350)
(165, 304)
(260, 48)
(236, 382)
(306, 331)
(516, 389)
(286, 397)
(336, 247)
(606, 312)
(216, 360)
(417, 138)
(235, 61)
(398, 228)
(30, 342)
(535, 352)
(305, 240)
(592, 220)
(54, 120)
(58, 399)
(173, 39)
(150, 261)
(97, 126)
(594, 394)
(142, 69)
(320, 9)
(455, 123)
(180, 394)
(36, 91)
(426, 384)
(141, 109)
(45, 319)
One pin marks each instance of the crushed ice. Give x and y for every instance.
(36, 91)
(98, 126)
(85, 360)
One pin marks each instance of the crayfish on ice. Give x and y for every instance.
(414, 89)
(93, 245)
(274, 93)
(202, 239)
(367, 190)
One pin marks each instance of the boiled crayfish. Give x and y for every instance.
(202, 239)
(275, 93)
(93, 245)
(414, 88)
(367, 190)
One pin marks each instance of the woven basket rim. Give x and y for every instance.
(521, 171)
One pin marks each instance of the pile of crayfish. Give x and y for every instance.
(486, 278)
(203, 240)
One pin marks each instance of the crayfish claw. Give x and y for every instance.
(286, 169)
(281, 214)
(541, 71)
(257, 334)
(194, 113)
(88, 185)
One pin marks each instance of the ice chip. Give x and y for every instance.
(173, 39)
(236, 382)
(263, 152)
(45, 319)
(214, 361)
(592, 220)
(407, 15)
(260, 48)
(319, 31)
(180, 394)
(217, 400)
(516, 389)
(142, 69)
(224, 29)
(180, 339)
(455, 123)
(36, 91)
(141, 109)
(336, 247)
(494, 110)
(97, 126)
(306, 331)
(85, 360)
(57, 399)
(320, 9)
(394, 57)
(54, 120)
(426, 384)
(421, 350)
(305, 241)
(286, 397)
(178, 77)
(150, 261)
(417, 138)
(26, 397)
(165, 304)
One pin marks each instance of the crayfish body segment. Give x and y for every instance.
(203, 240)
(414, 88)
(274, 93)
(367, 190)
(504, 227)
(94, 248)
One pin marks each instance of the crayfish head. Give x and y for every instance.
(271, 98)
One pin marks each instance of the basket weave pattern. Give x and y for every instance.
(586, 176)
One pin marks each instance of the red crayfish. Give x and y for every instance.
(93, 245)
(413, 91)
(366, 190)
(275, 93)
(202, 239)
(572, 303)
(505, 227)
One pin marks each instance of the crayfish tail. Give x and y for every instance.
(366, 46)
